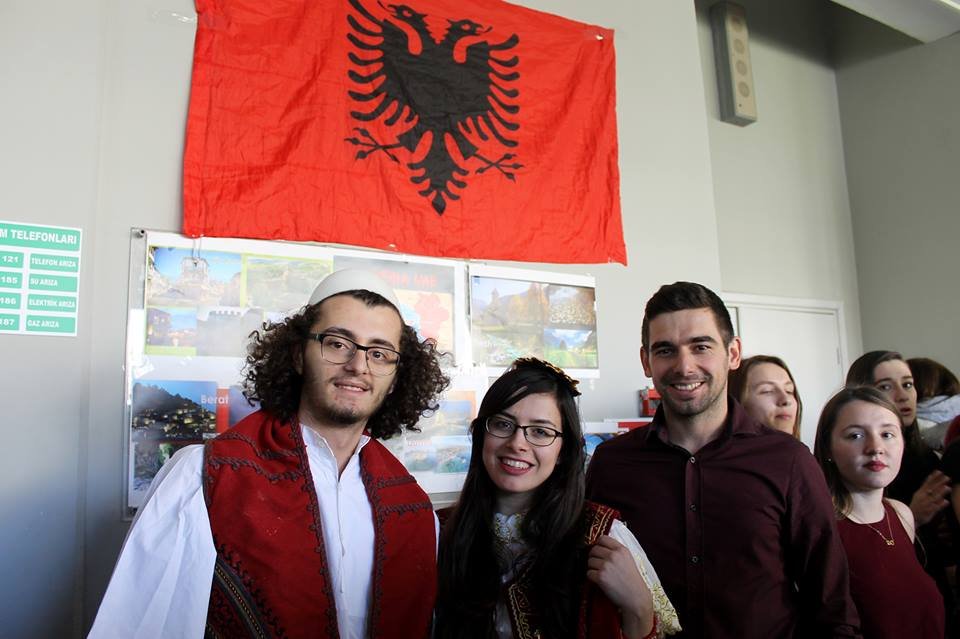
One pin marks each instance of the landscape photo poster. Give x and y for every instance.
(521, 313)
(194, 304)
(439, 454)
(168, 415)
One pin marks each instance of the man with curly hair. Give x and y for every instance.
(296, 522)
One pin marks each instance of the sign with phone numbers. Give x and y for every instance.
(39, 279)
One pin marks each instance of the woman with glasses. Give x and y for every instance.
(522, 554)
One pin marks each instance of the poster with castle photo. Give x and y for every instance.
(517, 312)
(195, 303)
(201, 299)
(167, 415)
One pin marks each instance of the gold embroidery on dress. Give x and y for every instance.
(521, 611)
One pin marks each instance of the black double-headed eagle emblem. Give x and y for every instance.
(433, 93)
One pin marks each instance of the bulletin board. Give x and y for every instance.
(193, 304)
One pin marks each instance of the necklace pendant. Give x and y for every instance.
(891, 542)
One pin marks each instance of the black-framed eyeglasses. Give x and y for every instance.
(534, 433)
(338, 349)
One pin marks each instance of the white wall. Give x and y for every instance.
(94, 139)
(50, 71)
(148, 52)
(782, 207)
(899, 103)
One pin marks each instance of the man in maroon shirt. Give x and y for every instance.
(735, 517)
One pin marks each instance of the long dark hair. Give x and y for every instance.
(842, 503)
(737, 383)
(861, 374)
(271, 378)
(469, 572)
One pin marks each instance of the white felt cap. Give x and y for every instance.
(352, 279)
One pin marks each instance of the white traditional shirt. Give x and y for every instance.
(161, 585)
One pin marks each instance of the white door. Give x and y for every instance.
(807, 336)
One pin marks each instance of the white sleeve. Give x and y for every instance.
(667, 621)
(161, 585)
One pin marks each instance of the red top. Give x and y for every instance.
(894, 596)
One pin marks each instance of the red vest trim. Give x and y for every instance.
(271, 574)
(598, 617)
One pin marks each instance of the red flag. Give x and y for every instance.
(455, 128)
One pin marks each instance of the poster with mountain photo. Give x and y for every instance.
(195, 304)
(521, 313)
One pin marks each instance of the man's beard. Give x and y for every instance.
(715, 393)
(345, 417)
(324, 408)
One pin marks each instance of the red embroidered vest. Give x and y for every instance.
(598, 618)
(270, 578)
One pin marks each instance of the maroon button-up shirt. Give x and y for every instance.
(742, 534)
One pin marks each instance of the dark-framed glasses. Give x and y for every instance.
(338, 349)
(534, 433)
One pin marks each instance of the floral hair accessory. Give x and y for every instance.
(556, 371)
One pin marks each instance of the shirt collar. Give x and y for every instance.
(737, 424)
(313, 439)
(743, 423)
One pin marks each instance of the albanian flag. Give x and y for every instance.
(454, 128)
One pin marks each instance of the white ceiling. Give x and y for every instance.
(925, 20)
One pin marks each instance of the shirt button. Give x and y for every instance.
(695, 559)
(693, 460)
(693, 507)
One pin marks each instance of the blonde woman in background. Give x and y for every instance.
(765, 387)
